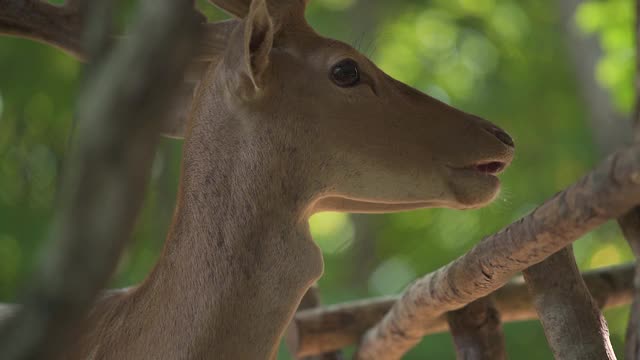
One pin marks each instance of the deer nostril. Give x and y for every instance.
(504, 137)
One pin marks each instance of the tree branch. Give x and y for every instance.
(311, 300)
(339, 326)
(572, 322)
(607, 192)
(124, 94)
(59, 26)
(477, 331)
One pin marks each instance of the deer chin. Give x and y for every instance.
(365, 206)
(474, 188)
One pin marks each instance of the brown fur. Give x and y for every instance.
(271, 141)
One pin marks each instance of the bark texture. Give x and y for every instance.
(572, 322)
(59, 26)
(477, 331)
(109, 165)
(311, 300)
(339, 326)
(607, 192)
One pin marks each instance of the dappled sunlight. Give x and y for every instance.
(477, 7)
(611, 21)
(601, 248)
(333, 232)
(430, 47)
(336, 5)
(436, 31)
(606, 255)
(510, 22)
(457, 231)
(391, 277)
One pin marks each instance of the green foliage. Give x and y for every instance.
(612, 21)
(502, 59)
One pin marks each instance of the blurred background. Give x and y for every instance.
(556, 74)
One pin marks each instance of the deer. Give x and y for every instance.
(282, 123)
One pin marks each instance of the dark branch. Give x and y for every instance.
(342, 325)
(477, 331)
(59, 26)
(311, 300)
(572, 322)
(106, 175)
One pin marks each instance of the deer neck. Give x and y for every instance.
(239, 256)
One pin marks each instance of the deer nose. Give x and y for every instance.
(496, 131)
(502, 136)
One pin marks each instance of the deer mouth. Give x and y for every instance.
(477, 184)
(490, 168)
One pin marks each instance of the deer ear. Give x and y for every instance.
(258, 41)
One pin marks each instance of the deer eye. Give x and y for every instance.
(345, 73)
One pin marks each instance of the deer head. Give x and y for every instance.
(279, 122)
(368, 142)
